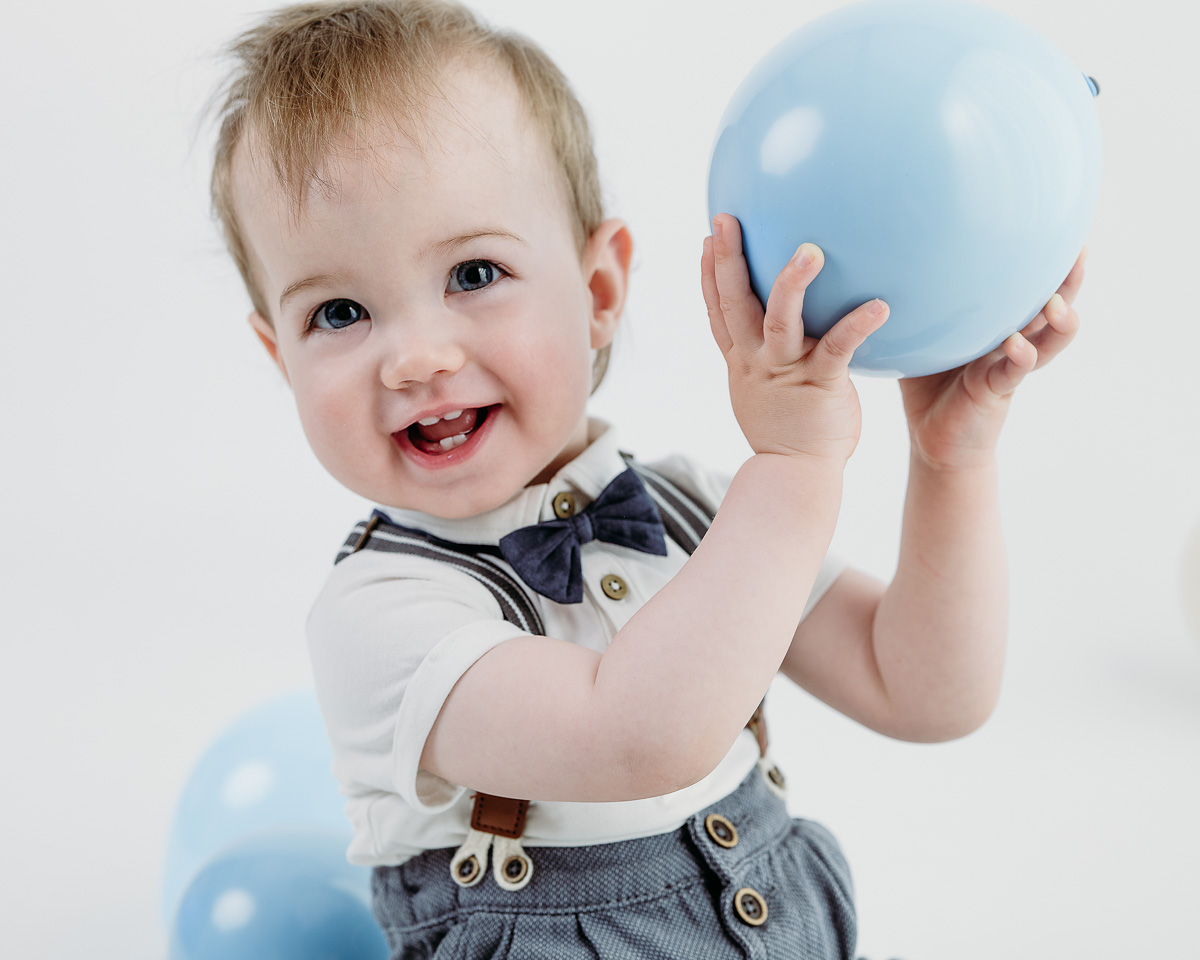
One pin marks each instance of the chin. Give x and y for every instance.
(458, 505)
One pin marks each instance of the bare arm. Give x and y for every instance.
(922, 658)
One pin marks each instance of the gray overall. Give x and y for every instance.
(739, 879)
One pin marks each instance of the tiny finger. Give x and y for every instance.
(736, 300)
(708, 284)
(783, 325)
(833, 352)
(1062, 323)
(1019, 357)
(1069, 288)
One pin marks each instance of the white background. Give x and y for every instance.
(165, 527)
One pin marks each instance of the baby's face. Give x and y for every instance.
(432, 313)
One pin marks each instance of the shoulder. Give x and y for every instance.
(381, 616)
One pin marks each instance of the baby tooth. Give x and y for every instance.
(452, 415)
(429, 421)
(449, 443)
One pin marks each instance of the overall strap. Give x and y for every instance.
(379, 533)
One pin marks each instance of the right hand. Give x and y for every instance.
(791, 394)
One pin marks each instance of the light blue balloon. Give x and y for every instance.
(287, 896)
(943, 155)
(269, 770)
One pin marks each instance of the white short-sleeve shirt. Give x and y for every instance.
(391, 633)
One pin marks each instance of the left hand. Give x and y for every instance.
(954, 418)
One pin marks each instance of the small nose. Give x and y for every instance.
(417, 351)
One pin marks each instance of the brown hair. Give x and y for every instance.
(311, 73)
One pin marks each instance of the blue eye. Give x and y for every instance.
(473, 275)
(336, 314)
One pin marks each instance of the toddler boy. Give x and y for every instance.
(529, 653)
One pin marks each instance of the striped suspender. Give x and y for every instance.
(685, 519)
(377, 533)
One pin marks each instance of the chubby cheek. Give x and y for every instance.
(550, 369)
(336, 423)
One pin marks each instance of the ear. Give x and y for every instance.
(266, 333)
(606, 270)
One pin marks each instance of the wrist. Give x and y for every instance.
(956, 495)
(792, 485)
(964, 462)
(803, 460)
(785, 466)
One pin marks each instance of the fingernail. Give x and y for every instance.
(805, 255)
(1056, 306)
(716, 225)
(876, 307)
(1085, 255)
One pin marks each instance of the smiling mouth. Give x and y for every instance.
(443, 436)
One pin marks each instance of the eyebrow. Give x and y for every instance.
(453, 243)
(441, 246)
(321, 279)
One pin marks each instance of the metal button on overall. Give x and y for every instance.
(776, 776)
(721, 830)
(515, 868)
(468, 870)
(750, 906)
(613, 586)
(564, 505)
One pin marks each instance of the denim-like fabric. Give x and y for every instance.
(665, 896)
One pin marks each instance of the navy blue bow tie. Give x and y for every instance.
(546, 555)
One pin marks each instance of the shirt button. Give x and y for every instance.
(750, 906)
(564, 505)
(614, 587)
(721, 830)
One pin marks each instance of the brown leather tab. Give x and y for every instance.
(501, 816)
(758, 724)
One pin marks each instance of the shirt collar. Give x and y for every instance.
(585, 476)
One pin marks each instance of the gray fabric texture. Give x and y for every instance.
(661, 897)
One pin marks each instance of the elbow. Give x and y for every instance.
(944, 732)
(638, 753)
(642, 773)
(944, 725)
(658, 766)
(937, 713)
(705, 755)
